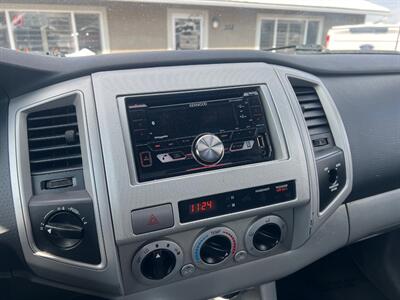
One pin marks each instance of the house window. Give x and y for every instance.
(4, 40)
(88, 30)
(284, 32)
(52, 32)
(39, 32)
(188, 31)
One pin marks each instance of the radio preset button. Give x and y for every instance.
(256, 110)
(237, 146)
(138, 114)
(170, 157)
(141, 135)
(185, 141)
(225, 136)
(241, 146)
(156, 146)
(170, 144)
(243, 134)
(177, 155)
(145, 159)
(254, 100)
(139, 124)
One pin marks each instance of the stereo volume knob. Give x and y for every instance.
(208, 149)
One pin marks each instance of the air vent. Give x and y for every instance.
(53, 138)
(314, 114)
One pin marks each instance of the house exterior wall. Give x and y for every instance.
(128, 26)
(145, 26)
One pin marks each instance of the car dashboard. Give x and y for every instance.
(191, 175)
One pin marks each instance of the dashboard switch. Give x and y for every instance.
(240, 256)
(188, 270)
(145, 159)
(152, 219)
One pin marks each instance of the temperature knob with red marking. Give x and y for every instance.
(214, 247)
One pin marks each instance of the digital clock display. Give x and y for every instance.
(202, 207)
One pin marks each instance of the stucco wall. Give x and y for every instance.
(135, 26)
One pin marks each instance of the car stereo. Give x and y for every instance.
(185, 132)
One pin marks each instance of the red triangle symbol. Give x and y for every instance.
(153, 220)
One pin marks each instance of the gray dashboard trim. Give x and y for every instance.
(373, 215)
(9, 238)
(332, 235)
(127, 194)
(338, 131)
(22, 73)
(370, 109)
(105, 276)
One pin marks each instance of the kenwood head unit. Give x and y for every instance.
(180, 133)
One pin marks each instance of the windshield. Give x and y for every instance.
(87, 27)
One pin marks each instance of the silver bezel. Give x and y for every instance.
(272, 219)
(338, 132)
(141, 254)
(127, 194)
(105, 277)
(204, 236)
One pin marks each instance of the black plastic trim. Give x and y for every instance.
(21, 73)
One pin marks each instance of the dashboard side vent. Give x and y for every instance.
(53, 140)
(314, 115)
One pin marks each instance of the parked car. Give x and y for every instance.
(365, 37)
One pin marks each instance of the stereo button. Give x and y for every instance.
(225, 136)
(254, 100)
(256, 110)
(177, 155)
(152, 219)
(237, 146)
(138, 114)
(145, 159)
(185, 141)
(141, 135)
(139, 124)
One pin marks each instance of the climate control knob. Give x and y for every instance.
(158, 264)
(157, 261)
(208, 149)
(265, 234)
(267, 237)
(214, 247)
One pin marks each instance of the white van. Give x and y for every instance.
(365, 37)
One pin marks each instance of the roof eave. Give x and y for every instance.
(265, 6)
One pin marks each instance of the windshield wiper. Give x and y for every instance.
(296, 48)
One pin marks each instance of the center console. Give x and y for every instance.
(213, 172)
(191, 175)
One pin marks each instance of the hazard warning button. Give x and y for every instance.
(152, 218)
